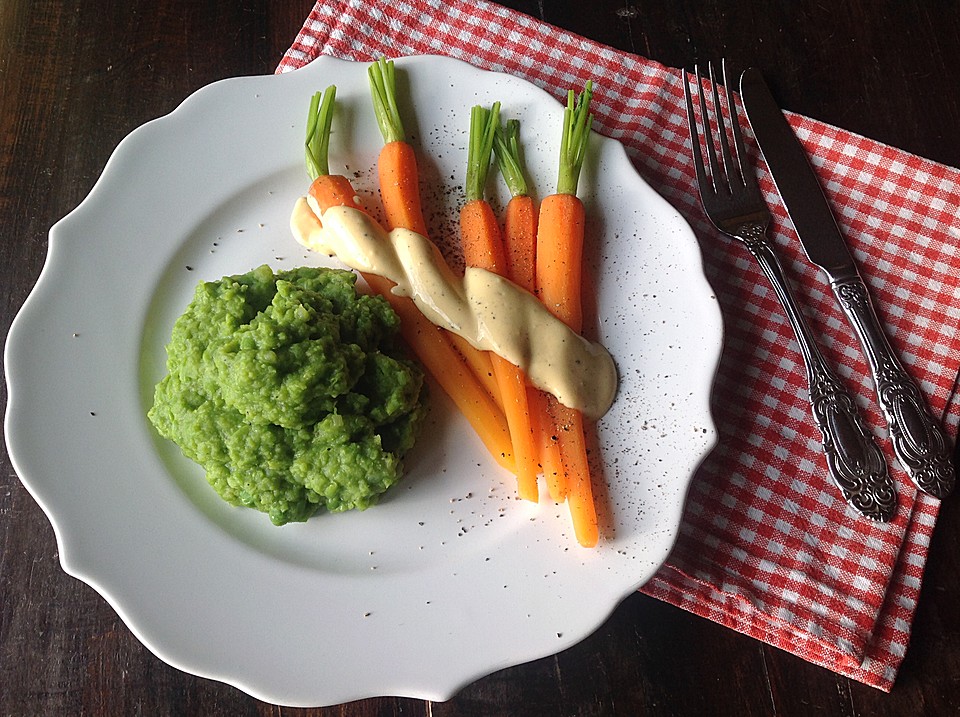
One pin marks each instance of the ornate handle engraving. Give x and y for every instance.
(918, 441)
(854, 460)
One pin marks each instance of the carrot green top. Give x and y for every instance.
(577, 120)
(383, 89)
(506, 146)
(483, 127)
(319, 121)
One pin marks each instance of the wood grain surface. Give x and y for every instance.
(76, 76)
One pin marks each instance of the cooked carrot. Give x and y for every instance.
(520, 244)
(520, 240)
(520, 216)
(400, 194)
(397, 163)
(479, 230)
(400, 187)
(560, 257)
(333, 190)
(479, 364)
(481, 238)
(483, 248)
(573, 451)
(327, 189)
(560, 233)
(426, 340)
(478, 227)
(547, 442)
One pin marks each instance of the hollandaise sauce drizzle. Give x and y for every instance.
(487, 310)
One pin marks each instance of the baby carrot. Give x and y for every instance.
(520, 215)
(520, 241)
(426, 340)
(397, 164)
(483, 247)
(400, 193)
(479, 229)
(560, 234)
(327, 189)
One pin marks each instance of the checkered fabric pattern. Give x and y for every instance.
(767, 546)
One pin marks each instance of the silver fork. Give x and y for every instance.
(732, 200)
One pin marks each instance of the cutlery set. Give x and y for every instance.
(735, 205)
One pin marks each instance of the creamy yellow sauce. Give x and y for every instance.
(490, 312)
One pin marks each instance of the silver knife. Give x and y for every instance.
(918, 440)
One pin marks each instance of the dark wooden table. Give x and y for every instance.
(76, 77)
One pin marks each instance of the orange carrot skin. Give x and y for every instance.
(479, 363)
(513, 385)
(548, 442)
(560, 232)
(334, 190)
(520, 240)
(573, 453)
(560, 257)
(400, 187)
(559, 252)
(483, 247)
(480, 235)
(520, 246)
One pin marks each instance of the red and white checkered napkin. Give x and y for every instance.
(767, 547)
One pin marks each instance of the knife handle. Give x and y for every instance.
(918, 440)
(854, 461)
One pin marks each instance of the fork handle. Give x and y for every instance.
(854, 461)
(918, 440)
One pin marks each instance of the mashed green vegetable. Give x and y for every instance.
(291, 391)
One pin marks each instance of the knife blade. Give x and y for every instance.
(918, 441)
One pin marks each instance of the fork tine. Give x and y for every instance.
(731, 171)
(746, 175)
(715, 175)
(694, 132)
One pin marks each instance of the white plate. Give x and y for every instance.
(450, 577)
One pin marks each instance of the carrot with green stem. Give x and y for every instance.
(483, 247)
(397, 163)
(520, 215)
(479, 229)
(520, 244)
(561, 224)
(399, 179)
(327, 189)
(560, 234)
(520, 239)
(427, 341)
